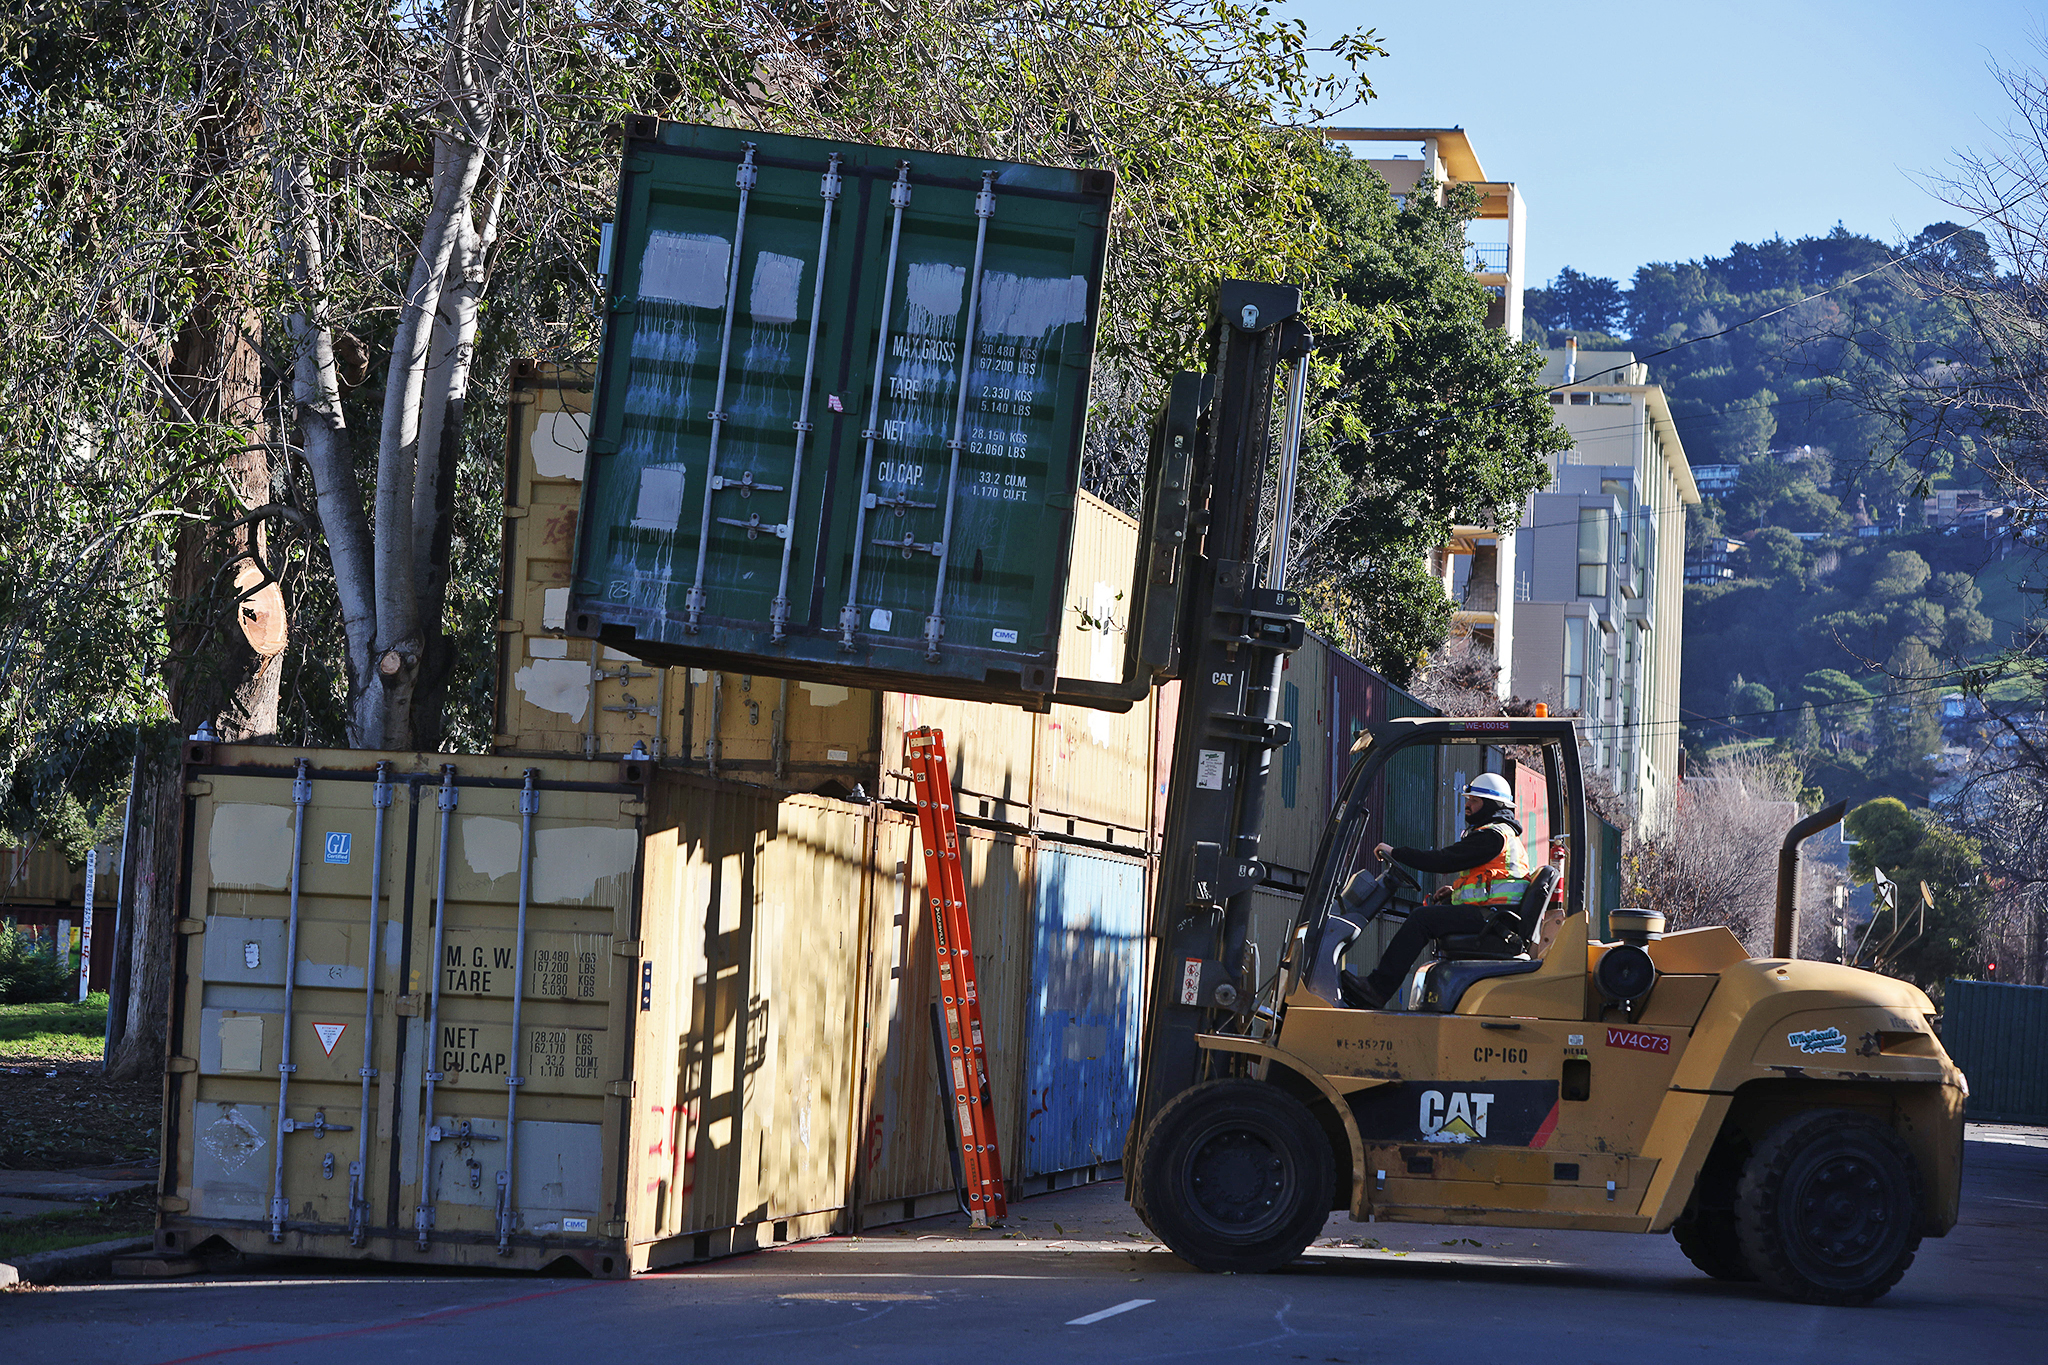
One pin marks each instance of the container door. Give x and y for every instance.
(506, 1132)
(317, 1165)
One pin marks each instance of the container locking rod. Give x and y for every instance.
(778, 610)
(849, 615)
(302, 796)
(529, 806)
(744, 178)
(358, 1174)
(423, 1212)
(984, 209)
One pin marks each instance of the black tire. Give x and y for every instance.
(1705, 1232)
(1709, 1241)
(1826, 1208)
(1235, 1175)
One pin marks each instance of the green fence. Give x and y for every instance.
(1998, 1034)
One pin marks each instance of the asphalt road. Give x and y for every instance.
(1076, 1278)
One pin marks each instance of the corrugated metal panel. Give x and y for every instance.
(557, 695)
(40, 875)
(1095, 767)
(1532, 798)
(1998, 1034)
(990, 748)
(1411, 785)
(717, 274)
(1085, 1009)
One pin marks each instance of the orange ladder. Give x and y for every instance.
(946, 888)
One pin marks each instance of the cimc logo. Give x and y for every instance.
(1454, 1115)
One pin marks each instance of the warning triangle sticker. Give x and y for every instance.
(330, 1034)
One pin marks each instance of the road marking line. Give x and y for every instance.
(1123, 1307)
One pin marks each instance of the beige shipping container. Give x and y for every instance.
(40, 875)
(708, 1030)
(403, 1015)
(1072, 771)
(1094, 768)
(560, 695)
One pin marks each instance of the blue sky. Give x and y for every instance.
(1665, 132)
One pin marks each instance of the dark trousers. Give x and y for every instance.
(1431, 921)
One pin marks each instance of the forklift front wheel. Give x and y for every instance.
(1826, 1207)
(1236, 1176)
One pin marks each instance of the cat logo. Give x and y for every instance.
(1454, 1116)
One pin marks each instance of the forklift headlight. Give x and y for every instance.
(1625, 974)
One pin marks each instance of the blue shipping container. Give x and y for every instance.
(1085, 1009)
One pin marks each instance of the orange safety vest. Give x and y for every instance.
(1500, 881)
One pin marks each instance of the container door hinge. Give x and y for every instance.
(615, 1228)
(198, 787)
(510, 627)
(514, 513)
(632, 806)
(628, 947)
(191, 926)
(624, 1090)
(179, 1066)
(173, 1203)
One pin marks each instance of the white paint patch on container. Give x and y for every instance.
(686, 267)
(660, 507)
(547, 646)
(251, 846)
(490, 846)
(569, 863)
(241, 1042)
(777, 280)
(554, 608)
(618, 656)
(560, 442)
(933, 294)
(826, 694)
(1030, 305)
(558, 685)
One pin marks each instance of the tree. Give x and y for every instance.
(1427, 417)
(1715, 861)
(1576, 302)
(1772, 552)
(1916, 846)
(1806, 730)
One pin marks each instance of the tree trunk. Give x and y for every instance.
(227, 615)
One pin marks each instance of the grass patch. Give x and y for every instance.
(54, 1030)
(125, 1215)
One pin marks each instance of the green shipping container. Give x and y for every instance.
(785, 474)
(1997, 1032)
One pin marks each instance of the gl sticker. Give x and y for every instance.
(1454, 1116)
(1819, 1040)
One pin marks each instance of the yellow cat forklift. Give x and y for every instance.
(1791, 1122)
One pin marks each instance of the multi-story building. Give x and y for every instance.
(1714, 560)
(1474, 565)
(1600, 572)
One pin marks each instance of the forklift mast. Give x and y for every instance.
(1226, 635)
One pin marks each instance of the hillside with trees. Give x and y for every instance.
(1847, 616)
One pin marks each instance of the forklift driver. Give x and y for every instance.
(1494, 871)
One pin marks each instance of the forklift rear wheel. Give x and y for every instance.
(1236, 1176)
(1709, 1241)
(1826, 1207)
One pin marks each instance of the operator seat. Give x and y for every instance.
(1500, 949)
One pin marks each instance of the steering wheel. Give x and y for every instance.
(1399, 878)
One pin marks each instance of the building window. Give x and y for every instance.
(1580, 400)
(1595, 535)
(1574, 663)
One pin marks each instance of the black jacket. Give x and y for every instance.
(1479, 847)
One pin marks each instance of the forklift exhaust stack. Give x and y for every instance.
(1785, 936)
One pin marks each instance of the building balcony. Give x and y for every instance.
(1487, 258)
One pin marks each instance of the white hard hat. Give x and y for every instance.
(1491, 787)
